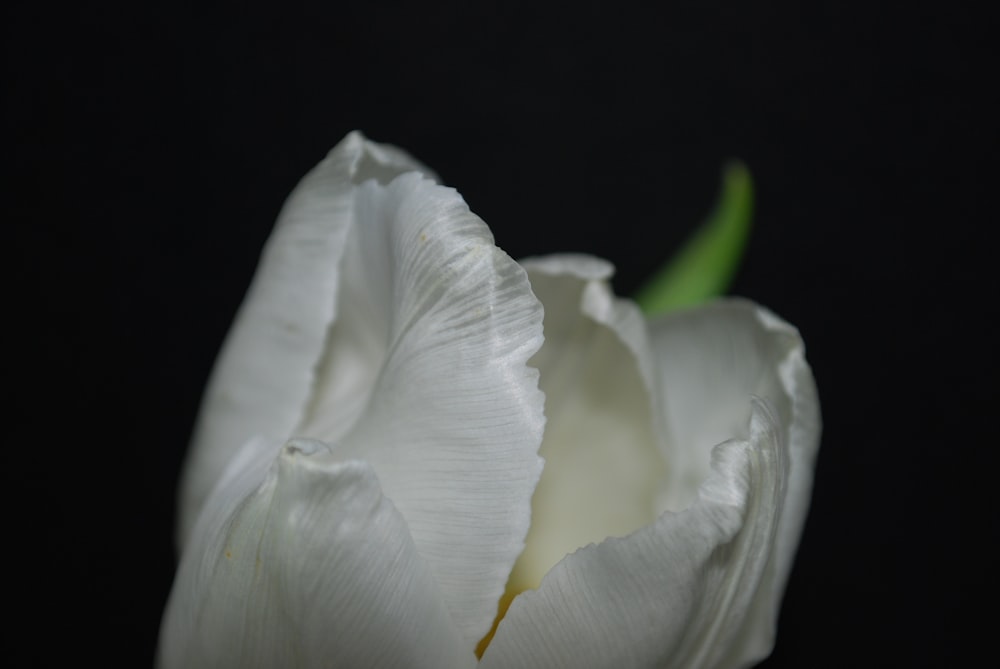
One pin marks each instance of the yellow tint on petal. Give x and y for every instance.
(505, 601)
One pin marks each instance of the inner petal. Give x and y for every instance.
(357, 340)
(604, 469)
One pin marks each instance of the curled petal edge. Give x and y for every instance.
(654, 598)
(672, 594)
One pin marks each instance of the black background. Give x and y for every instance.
(149, 149)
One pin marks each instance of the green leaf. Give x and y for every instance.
(707, 262)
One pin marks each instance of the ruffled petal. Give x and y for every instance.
(673, 594)
(451, 418)
(710, 360)
(603, 463)
(700, 587)
(266, 369)
(302, 562)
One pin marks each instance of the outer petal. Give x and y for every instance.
(699, 587)
(453, 420)
(265, 372)
(603, 462)
(302, 562)
(384, 320)
(711, 358)
(669, 595)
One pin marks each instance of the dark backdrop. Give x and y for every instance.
(149, 149)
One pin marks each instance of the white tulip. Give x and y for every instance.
(366, 477)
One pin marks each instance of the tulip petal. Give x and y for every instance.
(699, 587)
(265, 371)
(453, 417)
(711, 359)
(604, 465)
(668, 595)
(301, 561)
(385, 320)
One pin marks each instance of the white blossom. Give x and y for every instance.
(366, 478)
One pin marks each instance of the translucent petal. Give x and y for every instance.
(453, 418)
(302, 562)
(265, 372)
(384, 320)
(603, 462)
(711, 359)
(699, 587)
(673, 594)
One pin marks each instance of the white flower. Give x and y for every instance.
(363, 476)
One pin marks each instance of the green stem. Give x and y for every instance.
(706, 264)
